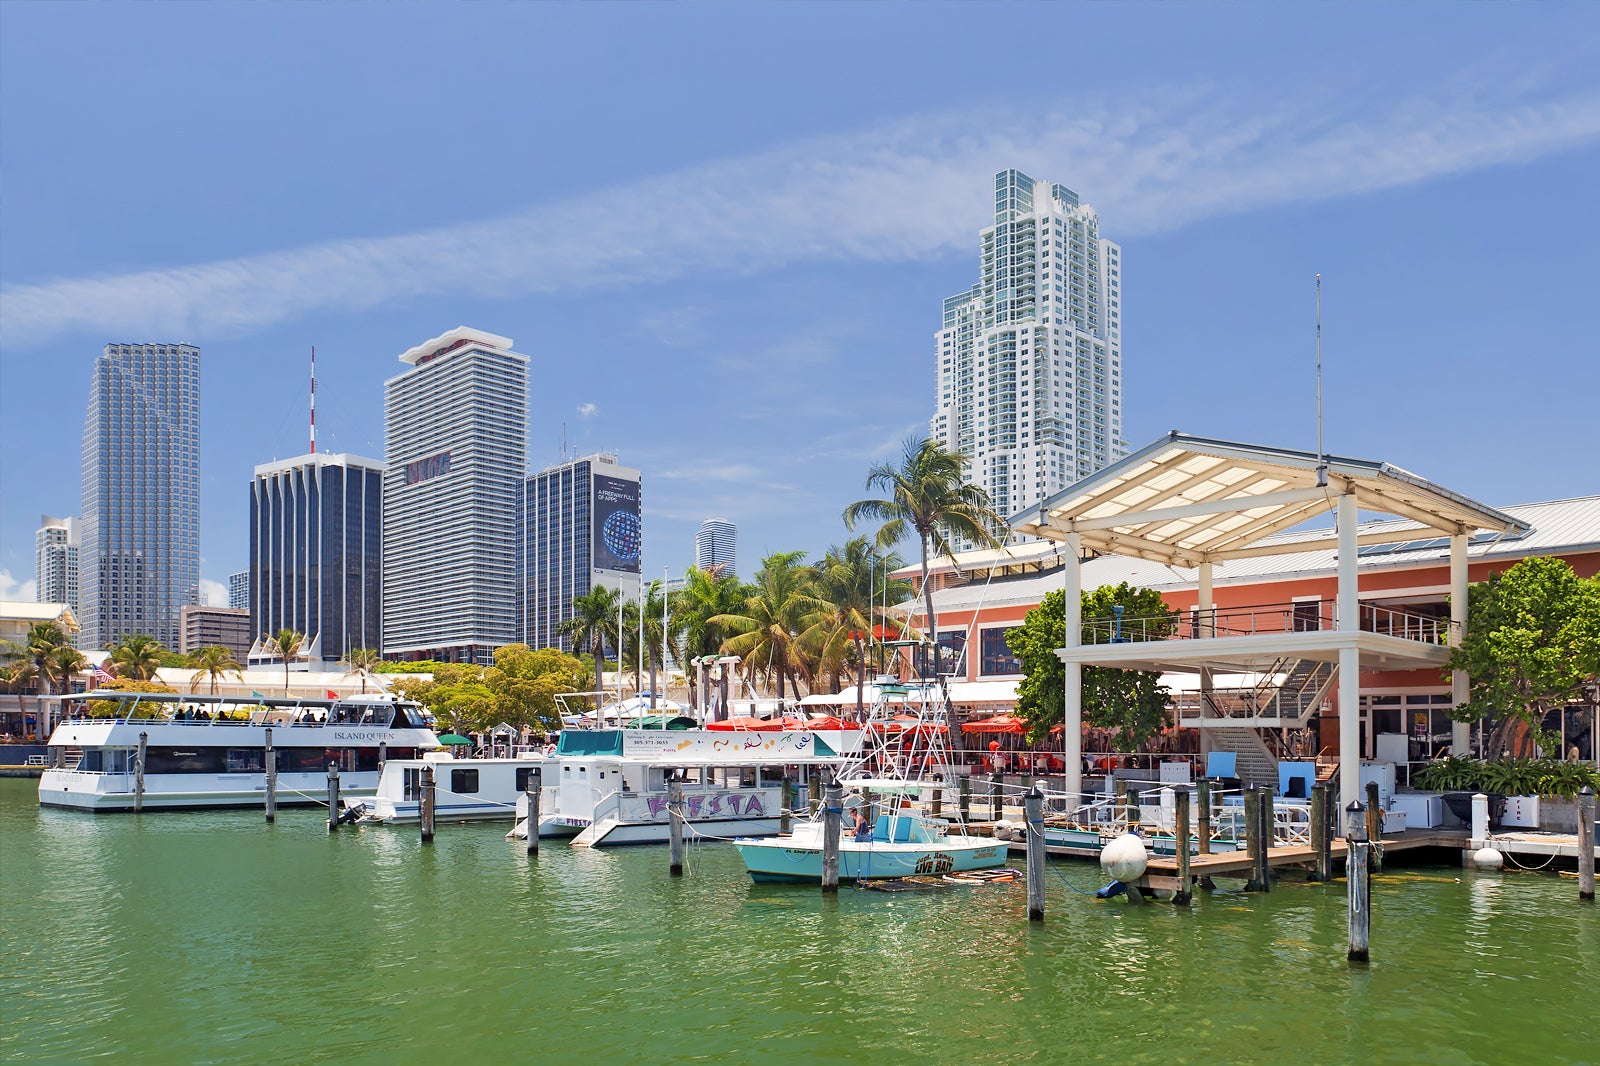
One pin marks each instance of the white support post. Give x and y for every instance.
(1072, 721)
(1349, 603)
(1460, 732)
(1207, 603)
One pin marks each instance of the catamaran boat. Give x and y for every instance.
(168, 751)
(605, 787)
(464, 789)
(904, 758)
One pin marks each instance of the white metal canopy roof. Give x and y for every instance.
(1186, 500)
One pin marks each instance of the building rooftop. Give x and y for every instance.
(459, 337)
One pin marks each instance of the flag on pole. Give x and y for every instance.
(332, 695)
(99, 676)
(257, 695)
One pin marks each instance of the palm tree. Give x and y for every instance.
(213, 662)
(651, 609)
(361, 661)
(927, 496)
(768, 631)
(287, 643)
(42, 644)
(138, 656)
(593, 621)
(854, 582)
(67, 661)
(704, 596)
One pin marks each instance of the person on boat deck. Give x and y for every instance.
(855, 810)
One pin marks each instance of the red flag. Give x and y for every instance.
(332, 695)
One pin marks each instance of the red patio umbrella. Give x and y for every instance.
(1000, 723)
(747, 724)
(830, 721)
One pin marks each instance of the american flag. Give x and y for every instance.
(98, 676)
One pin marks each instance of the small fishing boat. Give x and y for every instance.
(170, 751)
(464, 789)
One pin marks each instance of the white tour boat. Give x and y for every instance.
(464, 789)
(170, 751)
(904, 758)
(606, 787)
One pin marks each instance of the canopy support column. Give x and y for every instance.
(1460, 732)
(1349, 604)
(1072, 719)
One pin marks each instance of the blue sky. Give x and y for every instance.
(722, 231)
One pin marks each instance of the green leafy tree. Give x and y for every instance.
(705, 595)
(1132, 702)
(110, 709)
(137, 656)
(1532, 645)
(287, 643)
(593, 623)
(928, 499)
(525, 683)
(854, 584)
(767, 631)
(212, 663)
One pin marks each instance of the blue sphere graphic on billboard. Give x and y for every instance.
(618, 533)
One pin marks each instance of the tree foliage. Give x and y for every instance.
(1532, 644)
(525, 684)
(111, 708)
(138, 656)
(1132, 702)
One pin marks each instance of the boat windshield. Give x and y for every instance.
(368, 714)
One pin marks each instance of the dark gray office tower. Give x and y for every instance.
(316, 553)
(580, 528)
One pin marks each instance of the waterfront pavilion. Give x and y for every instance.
(1195, 503)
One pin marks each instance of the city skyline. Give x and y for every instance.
(753, 257)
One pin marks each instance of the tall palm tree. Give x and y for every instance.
(705, 595)
(593, 621)
(67, 662)
(138, 656)
(361, 661)
(768, 631)
(287, 643)
(854, 582)
(651, 609)
(212, 662)
(927, 496)
(43, 642)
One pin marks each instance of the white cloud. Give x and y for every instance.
(213, 593)
(12, 589)
(587, 409)
(902, 191)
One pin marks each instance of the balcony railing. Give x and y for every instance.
(1263, 620)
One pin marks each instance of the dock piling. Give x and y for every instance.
(965, 798)
(936, 806)
(1268, 830)
(383, 755)
(814, 791)
(832, 809)
(425, 806)
(1374, 828)
(1180, 833)
(1320, 851)
(535, 787)
(1202, 795)
(138, 773)
(333, 797)
(1252, 839)
(995, 799)
(786, 814)
(1033, 811)
(1356, 882)
(271, 761)
(1586, 814)
(1480, 822)
(675, 830)
(1119, 809)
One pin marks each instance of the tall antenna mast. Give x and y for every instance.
(313, 399)
(1322, 457)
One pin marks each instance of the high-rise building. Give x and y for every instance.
(205, 627)
(56, 561)
(581, 529)
(1030, 358)
(456, 432)
(239, 591)
(140, 556)
(316, 552)
(716, 546)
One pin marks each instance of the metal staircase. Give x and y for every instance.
(1256, 764)
(1234, 720)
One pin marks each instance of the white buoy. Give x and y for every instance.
(1125, 858)
(1004, 830)
(1488, 858)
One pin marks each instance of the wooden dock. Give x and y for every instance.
(1162, 873)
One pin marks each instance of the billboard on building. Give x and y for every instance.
(616, 528)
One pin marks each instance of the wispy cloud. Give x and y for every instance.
(12, 589)
(903, 191)
(587, 410)
(213, 593)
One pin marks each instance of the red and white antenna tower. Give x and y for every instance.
(313, 399)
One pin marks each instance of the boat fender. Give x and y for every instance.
(1115, 888)
(1125, 858)
(1488, 858)
(1004, 830)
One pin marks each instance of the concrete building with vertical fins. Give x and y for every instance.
(56, 546)
(716, 546)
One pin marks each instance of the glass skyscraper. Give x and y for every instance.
(456, 433)
(140, 557)
(581, 528)
(56, 547)
(316, 552)
(1030, 358)
(716, 546)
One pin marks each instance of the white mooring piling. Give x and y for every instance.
(1033, 812)
(675, 830)
(1356, 883)
(425, 807)
(1586, 813)
(272, 777)
(534, 786)
(138, 773)
(832, 811)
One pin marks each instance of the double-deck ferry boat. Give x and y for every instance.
(170, 751)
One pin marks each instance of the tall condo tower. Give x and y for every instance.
(716, 546)
(1030, 358)
(239, 590)
(56, 547)
(456, 431)
(316, 553)
(140, 555)
(581, 529)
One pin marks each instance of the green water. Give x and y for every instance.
(215, 938)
